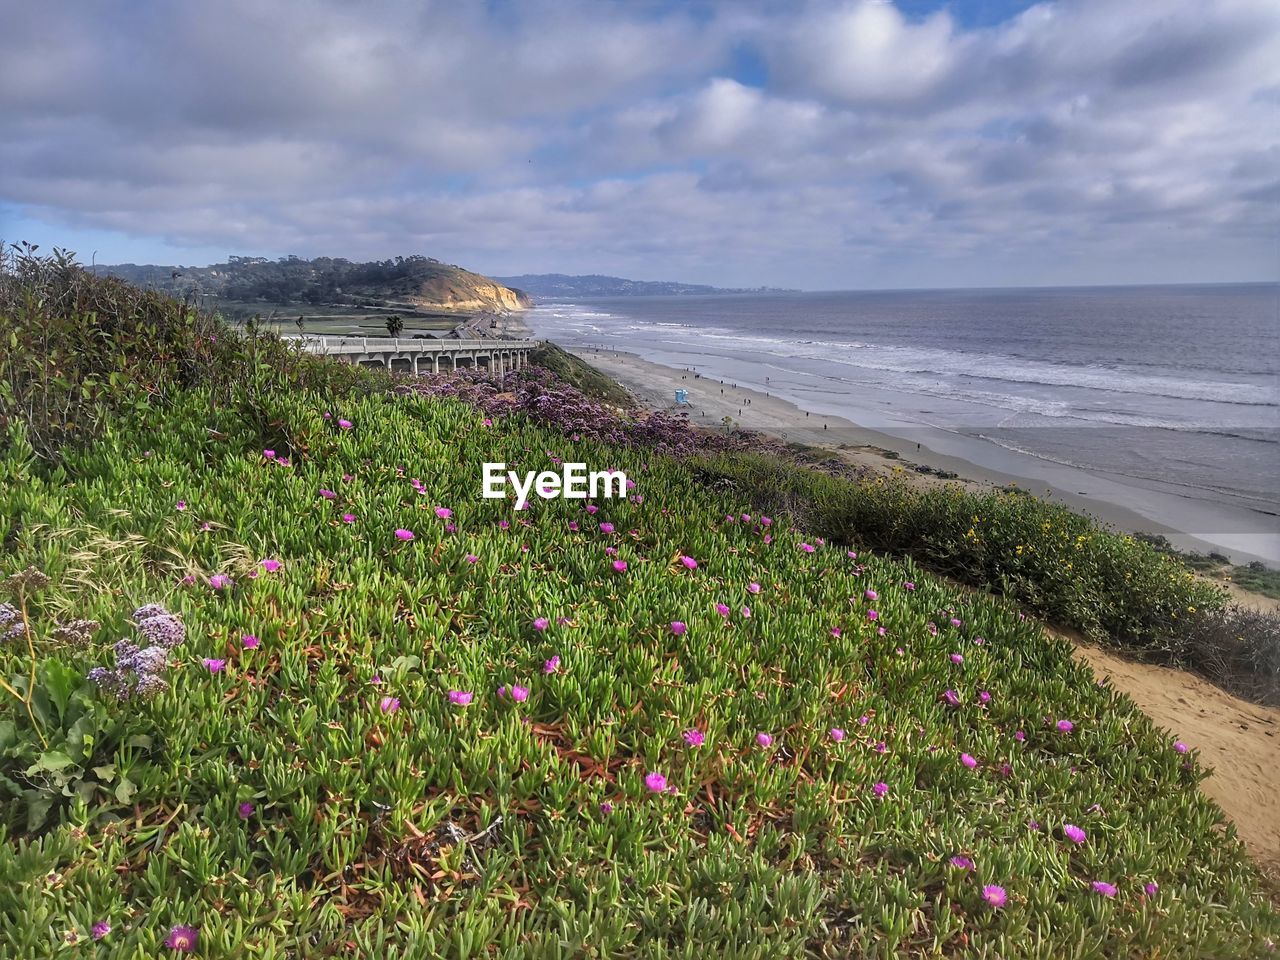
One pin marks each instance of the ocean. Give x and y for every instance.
(1174, 385)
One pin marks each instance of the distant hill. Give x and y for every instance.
(408, 283)
(595, 285)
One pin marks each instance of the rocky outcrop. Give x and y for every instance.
(464, 292)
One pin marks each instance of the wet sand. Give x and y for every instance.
(711, 401)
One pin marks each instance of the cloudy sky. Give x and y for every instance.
(828, 144)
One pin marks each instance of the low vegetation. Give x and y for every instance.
(279, 683)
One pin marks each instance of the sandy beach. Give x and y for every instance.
(1125, 504)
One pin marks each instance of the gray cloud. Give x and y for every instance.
(1066, 144)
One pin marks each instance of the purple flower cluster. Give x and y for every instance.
(139, 671)
(11, 624)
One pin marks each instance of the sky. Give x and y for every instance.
(831, 144)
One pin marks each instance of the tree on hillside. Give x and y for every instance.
(394, 325)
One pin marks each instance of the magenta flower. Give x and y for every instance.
(753, 588)
(344, 424)
(1104, 888)
(348, 518)
(250, 641)
(552, 665)
(722, 610)
(403, 534)
(746, 612)
(957, 659)
(952, 698)
(518, 693)
(1180, 747)
(1065, 726)
(807, 547)
(444, 513)
(656, 782)
(678, 627)
(271, 566)
(328, 494)
(968, 761)
(764, 739)
(873, 614)
(269, 454)
(1073, 833)
(180, 505)
(620, 566)
(245, 810)
(183, 939)
(389, 704)
(219, 581)
(1020, 736)
(694, 737)
(214, 666)
(606, 528)
(606, 807)
(689, 562)
(908, 585)
(837, 734)
(1152, 888)
(963, 863)
(460, 698)
(994, 895)
(880, 789)
(471, 558)
(541, 623)
(871, 595)
(100, 929)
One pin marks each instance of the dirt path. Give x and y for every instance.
(1238, 739)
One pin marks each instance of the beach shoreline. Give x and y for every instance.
(1123, 503)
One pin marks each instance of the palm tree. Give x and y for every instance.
(394, 325)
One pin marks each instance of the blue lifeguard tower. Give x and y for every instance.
(682, 397)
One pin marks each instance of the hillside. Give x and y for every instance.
(409, 283)
(278, 682)
(594, 285)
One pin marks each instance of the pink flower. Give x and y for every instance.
(1152, 888)
(328, 494)
(219, 581)
(271, 566)
(250, 641)
(348, 518)
(694, 737)
(746, 612)
(837, 734)
(460, 698)
(871, 595)
(389, 704)
(656, 782)
(444, 513)
(689, 563)
(552, 665)
(678, 628)
(620, 566)
(1180, 747)
(994, 895)
(180, 505)
(957, 659)
(1073, 833)
(214, 666)
(880, 789)
(269, 454)
(183, 939)
(471, 558)
(984, 697)
(1065, 726)
(722, 610)
(908, 585)
(245, 810)
(764, 739)
(807, 547)
(753, 588)
(1020, 736)
(541, 623)
(518, 693)
(1106, 889)
(403, 534)
(951, 697)
(606, 807)
(100, 929)
(963, 863)
(344, 424)
(608, 528)
(968, 761)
